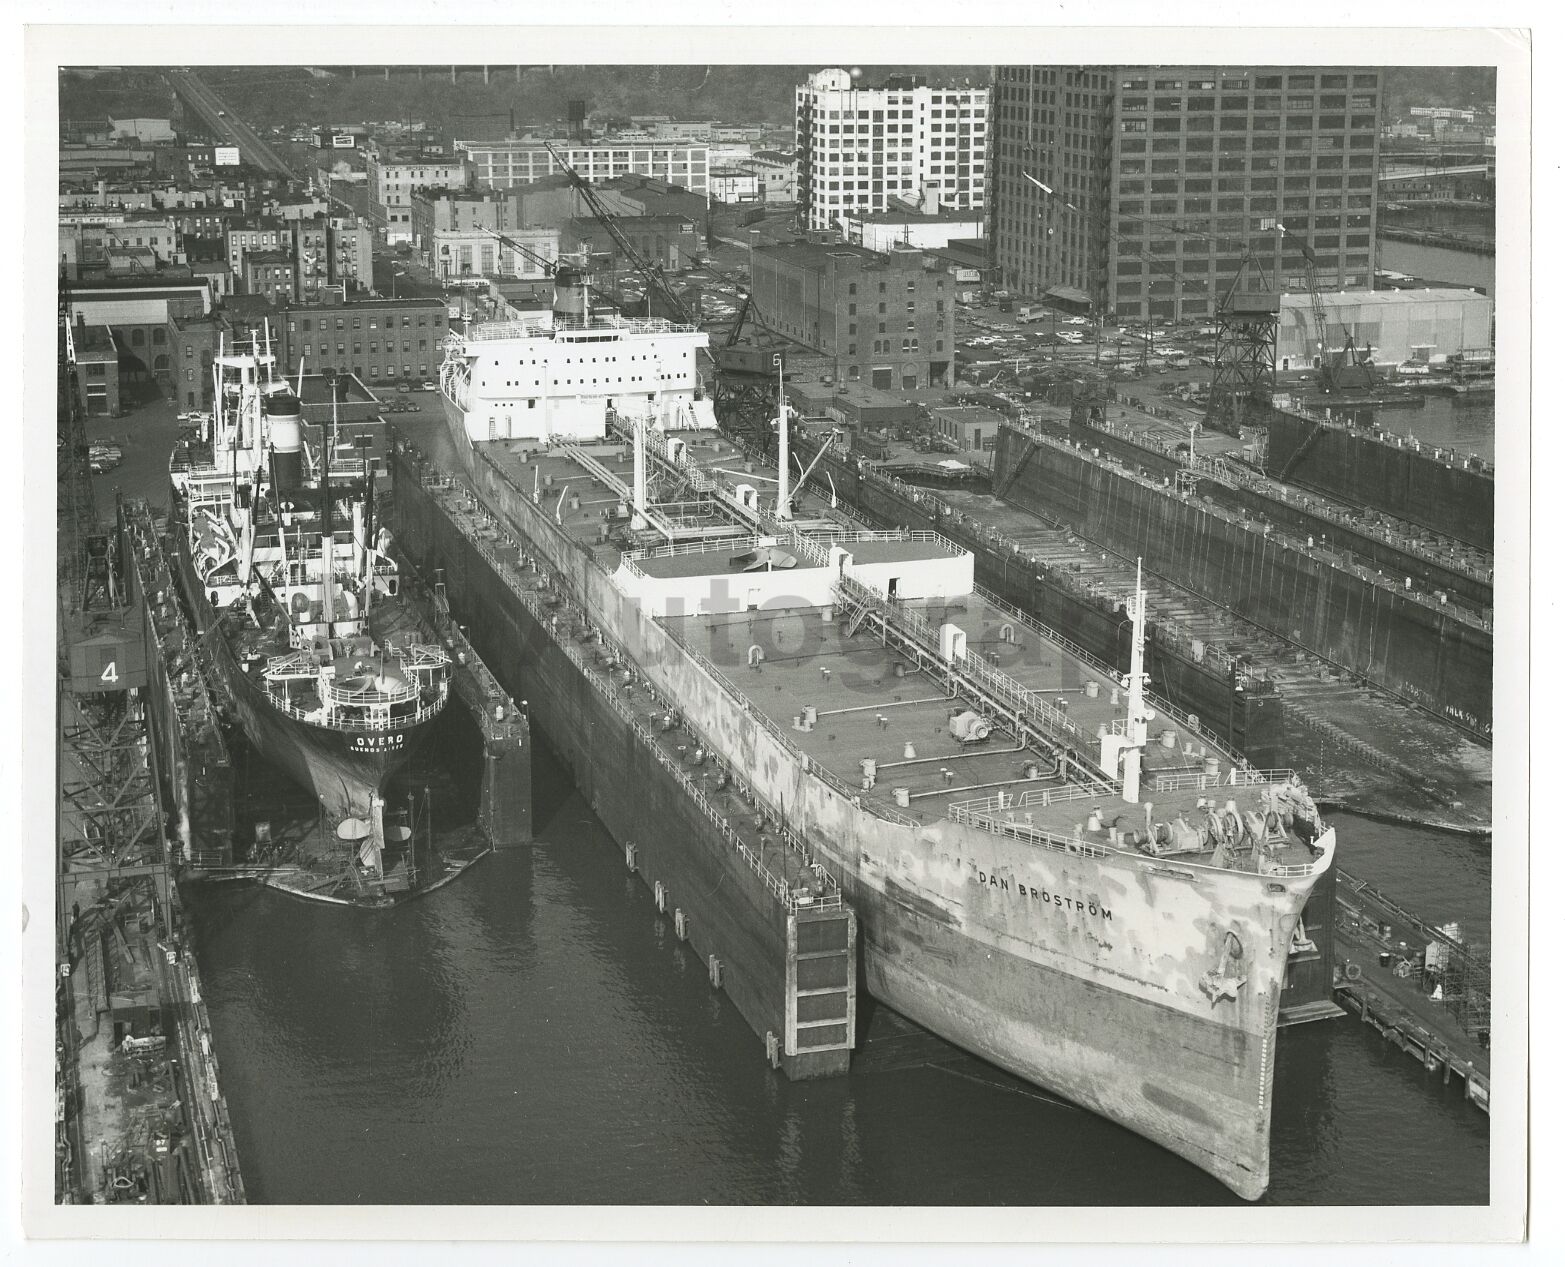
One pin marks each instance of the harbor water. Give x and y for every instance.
(535, 1034)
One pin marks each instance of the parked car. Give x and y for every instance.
(404, 387)
(429, 385)
(104, 457)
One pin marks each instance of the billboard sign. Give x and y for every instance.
(342, 141)
(225, 155)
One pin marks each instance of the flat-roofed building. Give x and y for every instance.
(1137, 192)
(858, 147)
(376, 340)
(97, 369)
(501, 164)
(884, 320)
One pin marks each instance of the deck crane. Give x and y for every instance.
(659, 292)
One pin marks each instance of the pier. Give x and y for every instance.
(1422, 987)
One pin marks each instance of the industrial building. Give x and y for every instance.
(883, 230)
(857, 148)
(501, 164)
(375, 340)
(885, 320)
(1140, 191)
(1397, 325)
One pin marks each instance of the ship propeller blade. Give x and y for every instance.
(353, 829)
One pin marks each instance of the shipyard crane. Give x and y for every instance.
(1348, 368)
(549, 267)
(674, 308)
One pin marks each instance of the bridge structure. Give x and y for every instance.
(204, 104)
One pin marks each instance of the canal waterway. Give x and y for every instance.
(534, 1034)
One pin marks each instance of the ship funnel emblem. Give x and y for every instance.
(1224, 979)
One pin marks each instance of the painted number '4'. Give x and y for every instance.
(110, 673)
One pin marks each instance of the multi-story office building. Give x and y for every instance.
(377, 340)
(501, 164)
(858, 147)
(883, 319)
(1140, 191)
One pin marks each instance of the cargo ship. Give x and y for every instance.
(326, 661)
(1049, 870)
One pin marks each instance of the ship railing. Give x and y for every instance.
(923, 536)
(1236, 776)
(1030, 799)
(423, 657)
(370, 695)
(811, 550)
(1025, 831)
(329, 718)
(747, 540)
(496, 331)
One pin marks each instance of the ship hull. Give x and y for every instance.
(345, 769)
(1100, 978)
(1199, 1088)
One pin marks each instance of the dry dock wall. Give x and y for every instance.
(1294, 516)
(1447, 495)
(1412, 648)
(727, 910)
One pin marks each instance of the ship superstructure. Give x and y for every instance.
(330, 668)
(560, 373)
(1049, 868)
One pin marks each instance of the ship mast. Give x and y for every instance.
(328, 541)
(784, 511)
(638, 488)
(1135, 712)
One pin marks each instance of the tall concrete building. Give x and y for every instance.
(1139, 191)
(858, 147)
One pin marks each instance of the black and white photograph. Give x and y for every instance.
(857, 626)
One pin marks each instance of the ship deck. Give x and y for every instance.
(865, 710)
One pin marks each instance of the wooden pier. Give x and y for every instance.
(1421, 987)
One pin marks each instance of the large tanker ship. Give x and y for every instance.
(1049, 869)
(329, 665)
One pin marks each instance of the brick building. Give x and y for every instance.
(97, 369)
(269, 273)
(377, 340)
(885, 320)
